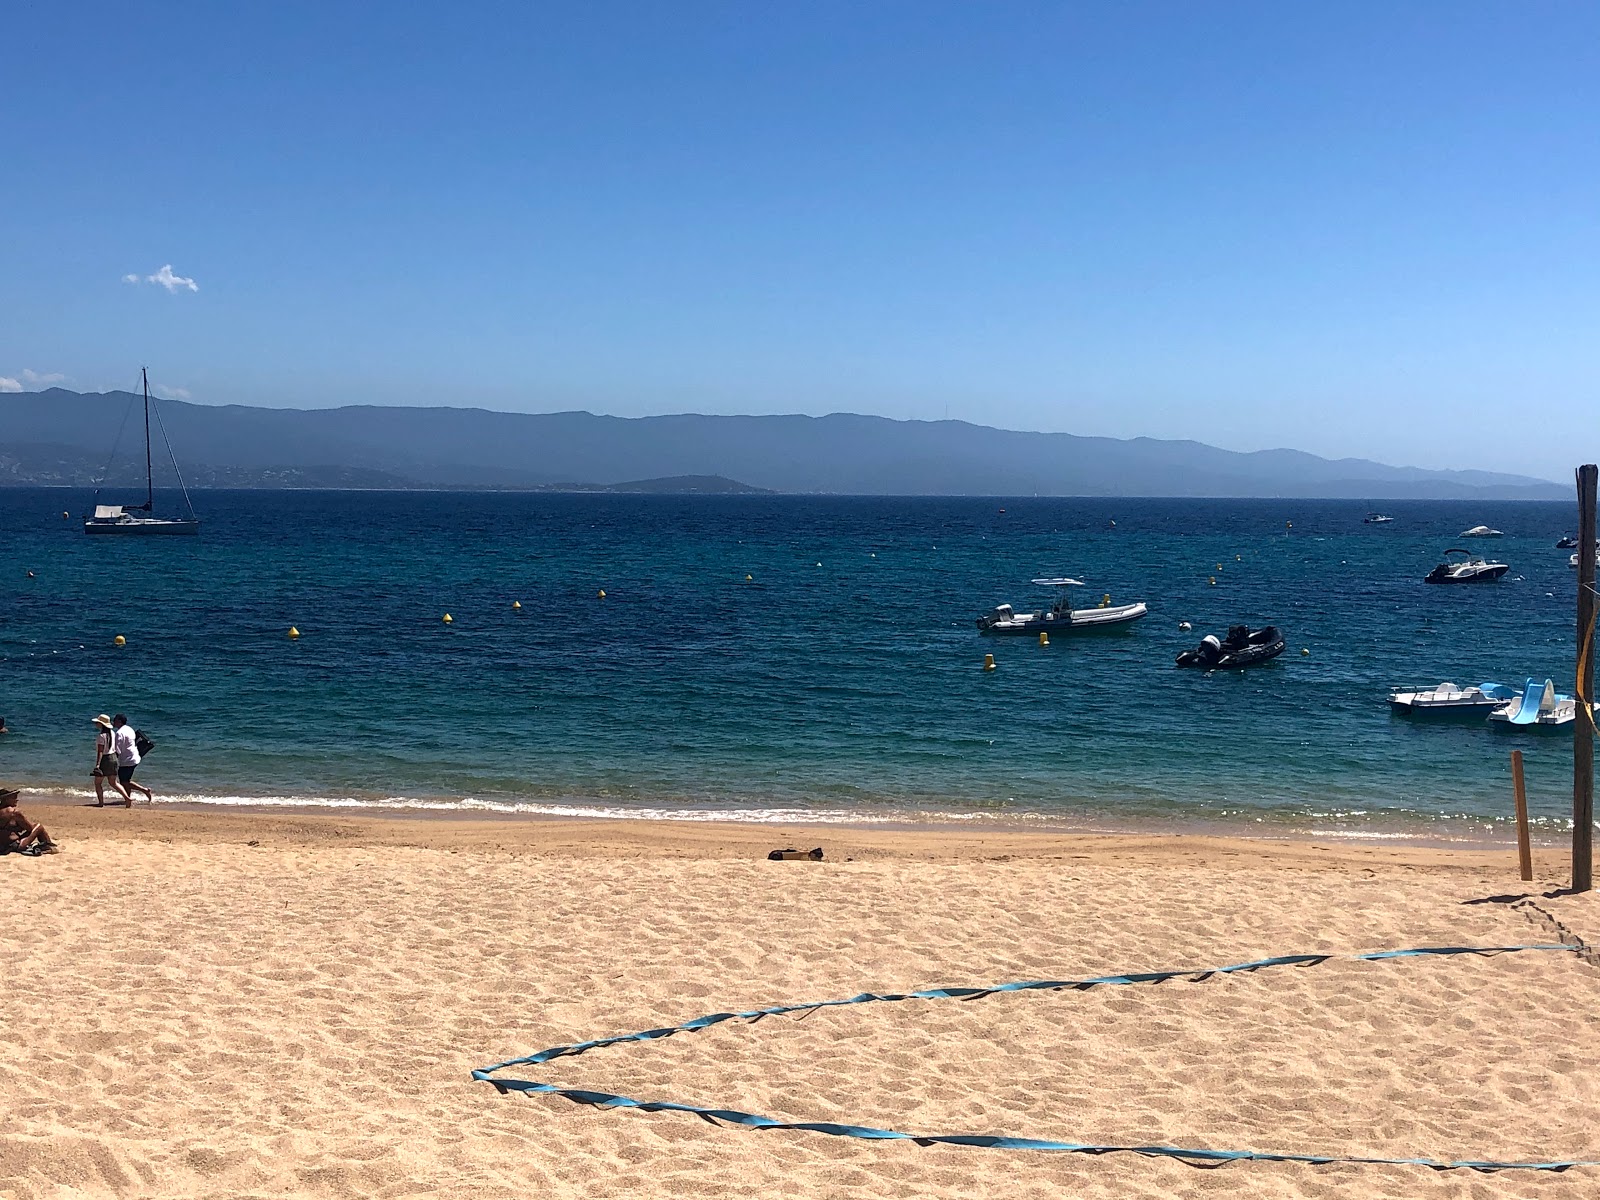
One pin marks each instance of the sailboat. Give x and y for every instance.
(126, 518)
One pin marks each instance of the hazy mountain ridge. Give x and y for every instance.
(843, 453)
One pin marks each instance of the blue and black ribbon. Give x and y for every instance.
(1198, 1157)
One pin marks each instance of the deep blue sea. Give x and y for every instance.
(784, 657)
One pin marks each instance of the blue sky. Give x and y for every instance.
(1363, 229)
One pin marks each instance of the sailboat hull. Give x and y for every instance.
(134, 527)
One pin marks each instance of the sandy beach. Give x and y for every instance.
(207, 1003)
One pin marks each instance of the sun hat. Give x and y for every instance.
(102, 719)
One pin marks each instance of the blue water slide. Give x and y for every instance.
(1498, 691)
(1528, 712)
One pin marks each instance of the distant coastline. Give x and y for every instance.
(61, 437)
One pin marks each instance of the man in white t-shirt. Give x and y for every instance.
(127, 759)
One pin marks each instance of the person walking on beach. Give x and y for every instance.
(18, 835)
(125, 739)
(105, 761)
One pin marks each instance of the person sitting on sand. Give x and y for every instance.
(126, 739)
(18, 835)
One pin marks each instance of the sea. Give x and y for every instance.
(787, 658)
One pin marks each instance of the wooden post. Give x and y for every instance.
(1524, 850)
(1583, 726)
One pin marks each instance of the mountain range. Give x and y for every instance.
(64, 437)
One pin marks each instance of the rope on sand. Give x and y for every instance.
(1196, 1157)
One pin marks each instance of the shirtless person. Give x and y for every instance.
(17, 833)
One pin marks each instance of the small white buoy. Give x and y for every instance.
(749, 578)
(1303, 650)
(988, 662)
(1219, 566)
(1213, 581)
(66, 516)
(119, 640)
(448, 619)
(1184, 625)
(293, 632)
(516, 604)
(819, 564)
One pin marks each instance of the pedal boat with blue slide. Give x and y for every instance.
(1448, 700)
(1061, 617)
(1539, 708)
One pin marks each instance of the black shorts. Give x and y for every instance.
(125, 774)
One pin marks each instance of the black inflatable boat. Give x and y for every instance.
(1240, 648)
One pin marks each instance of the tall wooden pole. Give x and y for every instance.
(1583, 726)
(1524, 846)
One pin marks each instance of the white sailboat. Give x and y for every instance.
(139, 519)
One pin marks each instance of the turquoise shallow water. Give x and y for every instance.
(841, 681)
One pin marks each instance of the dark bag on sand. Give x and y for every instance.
(780, 855)
(141, 743)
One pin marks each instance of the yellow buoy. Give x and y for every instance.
(1213, 581)
(516, 604)
(1303, 650)
(119, 640)
(293, 632)
(988, 662)
(1238, 558)
(748, 578)
(1105, 601)
(1044, 638)
(601, 594)
(448, 619)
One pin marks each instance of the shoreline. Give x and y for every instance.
(542, 835)
(1443, 832)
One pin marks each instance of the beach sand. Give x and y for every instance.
(244, 1004)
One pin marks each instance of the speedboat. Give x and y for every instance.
(1375, 519)
(1570, 542)
(1467, 570)
(1240, 648)
(1449, 700)
(1061, 617)
(1480, 531)
(1539, 707)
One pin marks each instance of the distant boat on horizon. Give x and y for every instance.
(121, 518)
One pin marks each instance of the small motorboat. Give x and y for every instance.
(1570, 542)
(1480, 531)
(1061, 617)
(1449, 700)
(1465, 570)
(1539, 707)
(1375, 519)
(1241, 648)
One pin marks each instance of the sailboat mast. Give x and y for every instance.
(149, 471)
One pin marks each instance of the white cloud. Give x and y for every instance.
(9, 385)
(172, 282)
(46, 379)
(172, 393)
(167, 279)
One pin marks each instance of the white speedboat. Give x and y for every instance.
(1480, 531)
(1061, 617)
(1450, 700)
(1539, 707)
(1375, 519)
(1465, 570)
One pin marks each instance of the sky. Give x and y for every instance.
(1359, 229)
